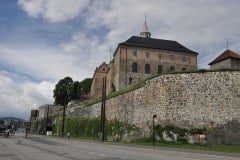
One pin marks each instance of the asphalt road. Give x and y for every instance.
(42, 148)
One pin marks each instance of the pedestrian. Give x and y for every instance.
(68, 135)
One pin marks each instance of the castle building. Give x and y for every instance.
(228, 59)
(97, 82)
(142, 57)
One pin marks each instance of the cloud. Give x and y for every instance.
(53, 10)
(87, 52)
(44, 62)
(19, 97)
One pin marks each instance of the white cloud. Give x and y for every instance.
(87, 52)
(19, 97)
(53, 10)
(45, 62)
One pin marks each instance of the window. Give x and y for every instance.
(130, 80)
(159, 56)
(134, 67)
(184, 59)
(172, 57)
(147, 54)
(160, 69)
(147, 68)
(134, 53)
(172, 69)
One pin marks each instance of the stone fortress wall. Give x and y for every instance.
(189, 100)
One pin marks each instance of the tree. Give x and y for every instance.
(86, 85)
(63, 94)
(75, 90)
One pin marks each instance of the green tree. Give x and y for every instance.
(63, 94)
(86, 85)
(76, 90)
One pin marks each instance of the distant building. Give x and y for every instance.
(141, 57)
(44, 118)
(228, 59)
(34, 115)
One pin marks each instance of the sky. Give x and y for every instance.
(43, 41)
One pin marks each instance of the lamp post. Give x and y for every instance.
(102, 123)
(153, 132)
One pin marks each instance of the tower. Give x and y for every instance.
(145, 33)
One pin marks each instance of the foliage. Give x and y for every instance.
(67, 89)
(205, 71)
(89, 128)
(86, 85)
(169, 129)
(62, 92)
(82, 127)
(180, 131)
(197, 131)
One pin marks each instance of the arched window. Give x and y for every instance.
(172, 69)
(134, 67)
(160, 69)
(147, 69)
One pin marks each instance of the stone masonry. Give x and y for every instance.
(189, 100)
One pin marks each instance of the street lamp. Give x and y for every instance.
(153, 133)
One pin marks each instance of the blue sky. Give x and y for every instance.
(42, 41)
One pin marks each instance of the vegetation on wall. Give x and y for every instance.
(89, 128)
(170, 130)
(206, 70)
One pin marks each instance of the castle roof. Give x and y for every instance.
(225, 55)
(153, 43)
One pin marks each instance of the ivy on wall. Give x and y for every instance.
(80, 127)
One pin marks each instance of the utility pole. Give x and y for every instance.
(102, 125)
(153, 134)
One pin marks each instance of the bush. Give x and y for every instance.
(89, 128)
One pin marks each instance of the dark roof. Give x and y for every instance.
(225, 55)
(157, 44)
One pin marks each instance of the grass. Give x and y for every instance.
(205, 147)
(200, 147)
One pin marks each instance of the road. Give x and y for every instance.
(44, 148)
